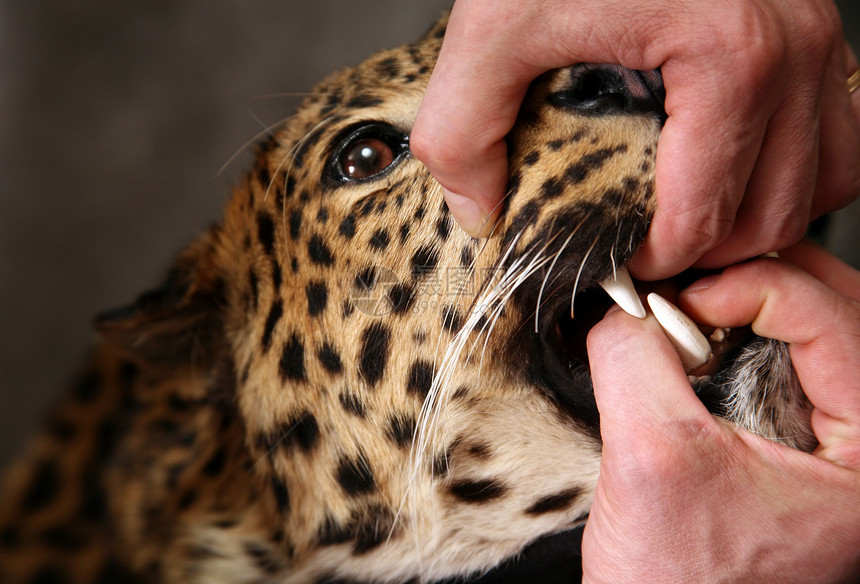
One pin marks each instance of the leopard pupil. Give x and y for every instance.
(367, 157)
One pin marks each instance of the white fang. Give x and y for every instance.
(690, 343)
(620, 288)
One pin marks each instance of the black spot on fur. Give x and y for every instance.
(113, 572)
(282, 495)
(514, 184)
(366, 206)
(443, 227)
(372, 529)
(49, 575)
(420, 378)
(365, 279)
(401, 297)
(61, 430)
(187, 500)
(525, 217)
(333, 533)
(263, 176)
(467, 256)
(294, 265)
(277, 277)
(92, 506)
(319, 251)
(352, 404)
(330, 358)
(295, 224)
(401, 429)
(87, 387)
(309, 141)
(216, 464)
(44, 487)
(452, 320)
(380, 240)
(322, 215)
(388, 68)
(302, 432)
(631, 184)
(65, 538)
(424, 261)
(613, 197)
(477, 491)
(531, 158)
(579, 170)
(275, 314)
(551, 188)
(347, 226)
(266, 232)
(317, 293)
(347, 308)
(404, 232)
(262, 558)
(374, 352)
(355, 476)
(440, 465)
(556, 502)
(128, 374)
(360, 101)
(292, 366)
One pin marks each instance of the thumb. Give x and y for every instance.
(639, 383)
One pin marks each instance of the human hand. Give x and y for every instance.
(756, 98)
(685, 497)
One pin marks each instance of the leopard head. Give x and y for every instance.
(415, 403)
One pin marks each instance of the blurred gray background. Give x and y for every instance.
(115, 118)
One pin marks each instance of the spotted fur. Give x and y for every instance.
(335, 383)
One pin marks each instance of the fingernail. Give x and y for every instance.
(703, 284)
(466, 212)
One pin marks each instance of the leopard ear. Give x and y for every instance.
(177, 323)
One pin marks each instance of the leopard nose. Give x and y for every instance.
(611, 89)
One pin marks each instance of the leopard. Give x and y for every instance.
(335, 383)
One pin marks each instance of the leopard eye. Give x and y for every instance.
(366, 157)
(367, 152)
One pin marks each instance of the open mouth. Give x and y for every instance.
(705, 351)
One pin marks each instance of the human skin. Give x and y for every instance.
(686, 497)
(761, 134)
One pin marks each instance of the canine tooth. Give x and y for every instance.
(620, 289)
(770, 254)
(689, 341)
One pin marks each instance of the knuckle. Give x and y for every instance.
(695, 235)
(435, 147)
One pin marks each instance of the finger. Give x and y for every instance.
(459, 131)
(821, 326)
(776, 206)
(705, 157)
(825, 267)
(483, 72)
(639, 384)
